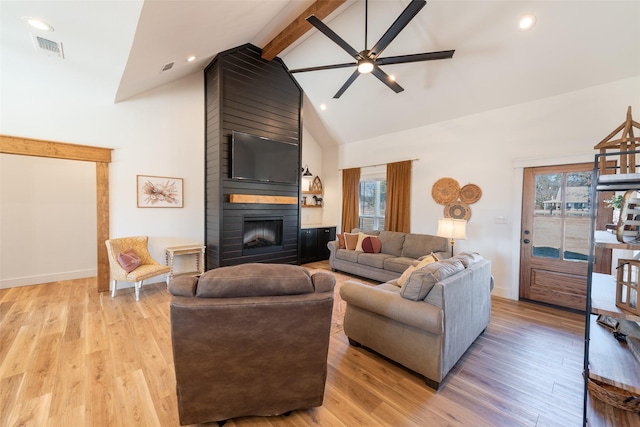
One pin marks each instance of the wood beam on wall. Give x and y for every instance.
(298, 27)
(60, 150)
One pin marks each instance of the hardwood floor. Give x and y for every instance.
(72, 357)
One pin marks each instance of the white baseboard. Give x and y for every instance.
(46, 278)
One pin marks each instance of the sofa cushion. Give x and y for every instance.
(398, 264)
(371, 245)
(351, 240)
(392, 242)
(254, 279)
(347, 255)
(468, 258)
(422, 280)
(341, 244)
(373, 260)
(417, 245)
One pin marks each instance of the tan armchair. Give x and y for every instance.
(148, 266)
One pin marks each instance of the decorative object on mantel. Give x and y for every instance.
(445, 190)
(316, 186)
(159, 192)
(627, 142)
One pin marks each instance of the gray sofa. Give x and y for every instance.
(427, 324)
(399, 251)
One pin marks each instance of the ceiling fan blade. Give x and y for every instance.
(324, 67)
(313, 20)
(417, 57)
(345, 86)
(384, 78)
(407, 15)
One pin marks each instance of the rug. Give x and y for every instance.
(339, 305)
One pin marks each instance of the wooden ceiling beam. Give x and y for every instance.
(299, 26)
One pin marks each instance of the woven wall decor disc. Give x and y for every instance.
(457, 210)
(470, 193)
(445, 190)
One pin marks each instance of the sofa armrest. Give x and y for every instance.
(465, 299)
(333, 246)
(418, 314)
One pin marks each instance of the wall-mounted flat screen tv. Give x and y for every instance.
(262, 159)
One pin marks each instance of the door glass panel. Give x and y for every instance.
(547, 221)
(577, 221)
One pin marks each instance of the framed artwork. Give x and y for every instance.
(159, 192)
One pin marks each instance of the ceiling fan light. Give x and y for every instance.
(365, 66)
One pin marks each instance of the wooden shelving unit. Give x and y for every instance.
(607, 359)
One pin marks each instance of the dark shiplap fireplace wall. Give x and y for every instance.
(245, 93)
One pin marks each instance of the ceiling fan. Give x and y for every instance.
(368, 60)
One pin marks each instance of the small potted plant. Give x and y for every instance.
(615, 203)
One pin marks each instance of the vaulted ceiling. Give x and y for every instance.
(121, 47)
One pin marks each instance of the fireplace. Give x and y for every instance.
(261, 234)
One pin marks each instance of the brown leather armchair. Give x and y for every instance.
(250, 340)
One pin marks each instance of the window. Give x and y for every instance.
(373, 198)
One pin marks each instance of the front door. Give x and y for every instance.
(555, 235)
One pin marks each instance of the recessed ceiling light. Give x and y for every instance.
(323, 107)
(191, 58)
(527, 22)
(37, 23)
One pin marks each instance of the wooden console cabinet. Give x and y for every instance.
(313, 243)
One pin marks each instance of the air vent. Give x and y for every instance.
(167, 67)
(48, 47)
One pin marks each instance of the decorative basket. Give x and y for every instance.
(470, 193)
(614, 396)
(445, 190)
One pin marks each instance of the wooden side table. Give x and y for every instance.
(173, 251)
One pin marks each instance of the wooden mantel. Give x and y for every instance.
(60, 150)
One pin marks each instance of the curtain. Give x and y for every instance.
(350, 199)
(397, 217)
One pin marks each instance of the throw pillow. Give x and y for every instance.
(467, 258)
(129, 260)
(430, 255)
(429, 259)
(403, 279)
(371, 245)
(341, 241)
(422, 281)
(361, 237)
(350, 241)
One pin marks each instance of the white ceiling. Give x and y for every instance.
(118, 48)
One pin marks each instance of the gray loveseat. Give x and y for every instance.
(399, 251)
(427, 324)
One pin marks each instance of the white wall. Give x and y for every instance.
(159, 133)
(489, 150)
(47, 220)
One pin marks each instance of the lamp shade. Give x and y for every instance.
(452, 228)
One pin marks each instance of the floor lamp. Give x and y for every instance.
(452, 229)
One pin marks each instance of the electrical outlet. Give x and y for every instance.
(501, 220)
